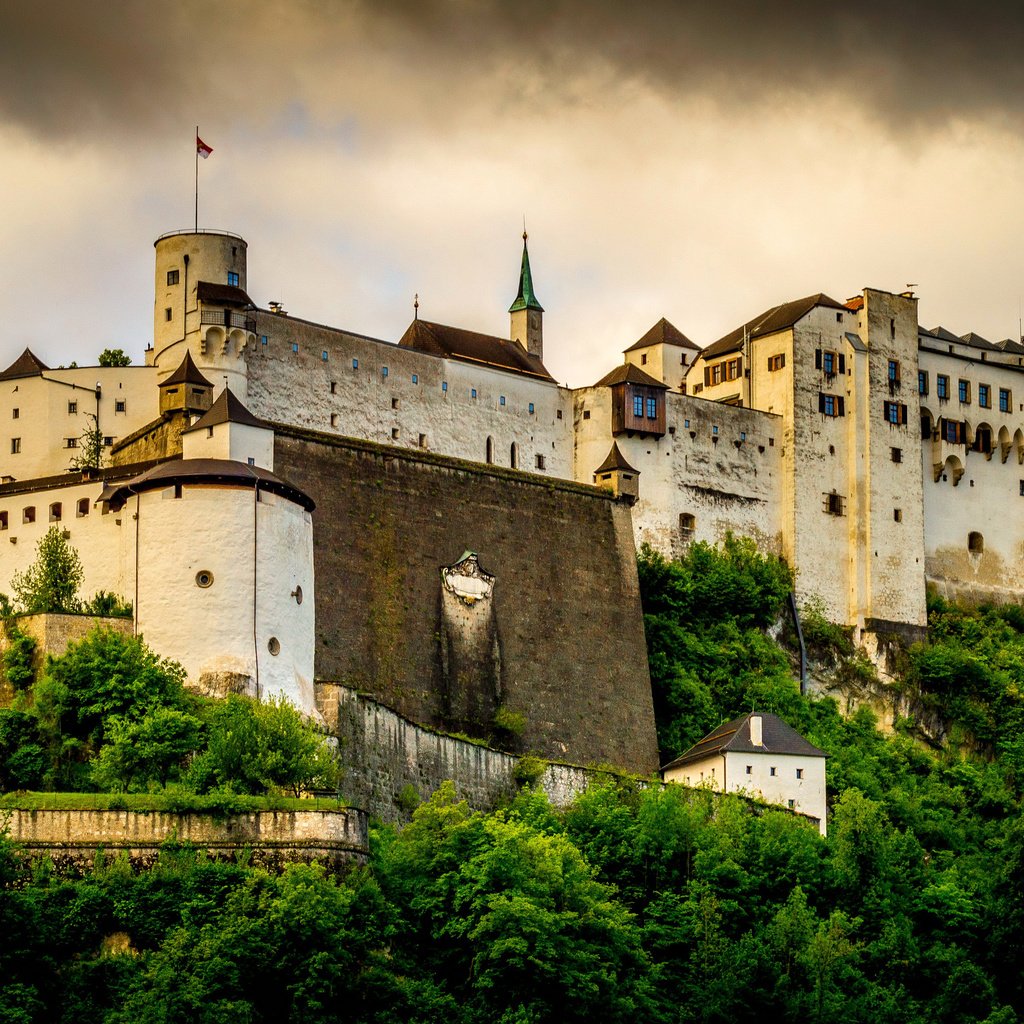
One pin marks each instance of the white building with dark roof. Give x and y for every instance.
(760, 756)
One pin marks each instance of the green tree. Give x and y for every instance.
(114, 357)
(153, 747)
(89, 453)
(19, 658)
(22, 758)
(51, 582)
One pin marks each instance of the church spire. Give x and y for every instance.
(525, 299)
(526, 313)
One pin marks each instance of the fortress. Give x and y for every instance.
(437, 523)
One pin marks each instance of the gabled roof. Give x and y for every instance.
(944, 334)
(222, 294)
(615, 460)
(227, 409)
(663, 333)
(26, 365)
(628, 373)
(206, 471)
(187, 373)
(1009, 345)
(778, 318)
(776, 736)
(977, 341)
(470, 347)
(525, 299)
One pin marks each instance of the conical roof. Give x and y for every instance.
(525, 299)
(187, 373)
(615, 460)
(26, 365)
(227, 409)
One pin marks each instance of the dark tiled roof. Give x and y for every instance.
(222, 294)
(1009, 345)
(977, 341)
(663, 333)
(26, 365)
(628, 373)
(615, 460)
(945, 335)
(187, 373)
(470, 347)
(776, 736)
(778, 318)
(227, 409)
(208, 471)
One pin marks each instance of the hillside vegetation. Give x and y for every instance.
(635, 904)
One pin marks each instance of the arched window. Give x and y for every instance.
(975, 543)
(83, 507)
(513, 457)
(490, 451)
(55, 512)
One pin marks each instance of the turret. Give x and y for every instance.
(201, 305)
(526, 313)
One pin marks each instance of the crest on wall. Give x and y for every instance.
(467, 580)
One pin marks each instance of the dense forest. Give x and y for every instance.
(637, 903)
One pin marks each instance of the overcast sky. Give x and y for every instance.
(696, 161)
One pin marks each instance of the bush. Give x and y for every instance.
(18, 659)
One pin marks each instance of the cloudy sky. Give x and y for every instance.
(691, 160)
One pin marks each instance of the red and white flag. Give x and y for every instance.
(202, 148)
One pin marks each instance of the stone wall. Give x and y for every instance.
(569, 628)
(391, 763)
(72, 838)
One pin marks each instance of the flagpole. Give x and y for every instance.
(195, 145)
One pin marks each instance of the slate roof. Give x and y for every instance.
(977, 341)
(615, 460)
(663, 333)
(1009, 345)
(778, 318)
(26, 365)
(222, 294)
(227, 409)
(629, 373)
(470, 347)
(187, 373)
(777, 738)
(206, 471)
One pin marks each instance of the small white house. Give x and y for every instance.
(759, 756)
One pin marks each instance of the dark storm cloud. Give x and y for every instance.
(68, 67)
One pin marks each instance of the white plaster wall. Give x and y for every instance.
(238, 442)
(718, 463)
(727, 772)
(44, 423)
(227, 626)
(96, 537)
(296, 388)
(667, 363)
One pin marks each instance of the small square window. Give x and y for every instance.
(686, 424)
(896, 454)
(714, 430)
(295, 346)
(750, 769)
(799, 773)
(444, 385)
(502, 400)
(394, 433)
(108, 440)
(394, 403)
(558, 414)
(791, 804)
(586, 414)
(232, 279)
(119, 405)
(540, 462)
(771, 771)
(743, 435)
(167, 314)
(643, 359)
(264, 340)
(72, 408)
(771, 442)
(423, 440)
(70, 442)
(897, 515)
(355, 364)
(323, 355)
(15, 414)
(472, 392)
(172, 276)
(28, 514)
(415, 378)
(383, 371)
(251, 460)
(334, 419)
(531, 408)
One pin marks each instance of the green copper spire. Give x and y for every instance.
(525, 299)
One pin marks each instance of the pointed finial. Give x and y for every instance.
(416, 307)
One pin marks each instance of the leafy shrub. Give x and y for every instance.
(18, 659)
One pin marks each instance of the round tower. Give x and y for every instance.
(201, 306)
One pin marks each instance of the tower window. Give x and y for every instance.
(652, 408)
(172, 276)
(232, 279)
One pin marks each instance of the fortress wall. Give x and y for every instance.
(569, 653)
(392, 763)
(72, 838)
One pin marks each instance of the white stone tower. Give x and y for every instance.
(201, 306)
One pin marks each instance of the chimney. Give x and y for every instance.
(756, 737)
